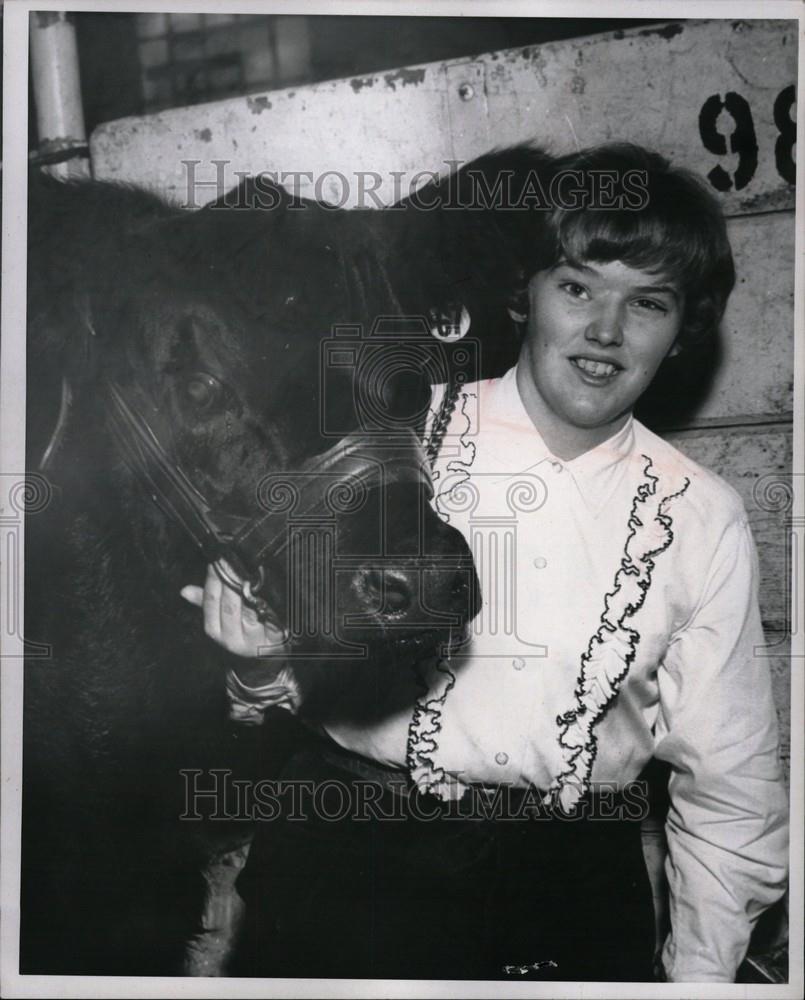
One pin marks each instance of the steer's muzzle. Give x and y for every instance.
(345, 552)
(424, 579)
(364, 559)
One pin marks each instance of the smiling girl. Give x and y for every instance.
(620, 624)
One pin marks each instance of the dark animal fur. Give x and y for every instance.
(122, 286)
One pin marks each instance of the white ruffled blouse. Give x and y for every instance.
(619, 622)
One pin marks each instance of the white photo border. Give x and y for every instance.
(12, 462)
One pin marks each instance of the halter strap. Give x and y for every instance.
(357, 463)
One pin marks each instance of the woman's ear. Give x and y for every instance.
(516, 315)
(676, 348)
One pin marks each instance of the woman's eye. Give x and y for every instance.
(204, 392)
(574, 289)
(652, 305)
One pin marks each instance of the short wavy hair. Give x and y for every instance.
(678, 229)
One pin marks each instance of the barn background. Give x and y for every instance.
(336, 95)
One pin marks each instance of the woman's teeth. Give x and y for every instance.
(595, 367)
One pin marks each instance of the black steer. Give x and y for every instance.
(222, 383)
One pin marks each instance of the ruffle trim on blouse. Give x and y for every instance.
(425, 726)
(611, 651)
(458, 468)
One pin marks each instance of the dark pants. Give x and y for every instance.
(518, 897)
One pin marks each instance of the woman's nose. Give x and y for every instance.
(606, 327)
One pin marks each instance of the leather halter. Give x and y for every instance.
(358, 462)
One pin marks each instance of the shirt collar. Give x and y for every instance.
(518, 444)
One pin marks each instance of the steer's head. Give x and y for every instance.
(241, 383)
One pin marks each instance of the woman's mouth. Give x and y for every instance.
(594, 371)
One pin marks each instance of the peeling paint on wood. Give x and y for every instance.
(646, 85)
(755, 374)
(405, 77)
(667, 32)
(359, 82)
(257, 105)
(649, 86)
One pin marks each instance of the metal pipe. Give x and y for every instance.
(57, 94)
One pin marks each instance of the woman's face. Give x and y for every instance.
(597, 332)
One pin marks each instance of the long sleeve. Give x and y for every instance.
(248, 704)
(727, 823)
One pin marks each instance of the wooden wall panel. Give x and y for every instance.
(756, 374)
(395, 122)
(652, 85)
(647, 85)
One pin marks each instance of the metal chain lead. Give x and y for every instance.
(442, 421)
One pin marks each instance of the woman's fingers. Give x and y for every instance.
(195, 595)
(241, 630)
(232, 614)
(213, 591)
(231, 606)
(228, 620)
(272, 636)
(234, 635)
(209, 599)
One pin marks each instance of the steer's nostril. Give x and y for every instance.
(389, 591)
(397, 597)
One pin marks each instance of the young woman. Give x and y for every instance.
(620, 588)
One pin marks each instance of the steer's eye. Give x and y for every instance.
(203, 392)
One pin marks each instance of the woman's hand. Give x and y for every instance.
(263, 679)
(231, 622)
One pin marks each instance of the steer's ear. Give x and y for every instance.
(478, 234)
(87, 244)
(64, 268)
(81, 259)
(260, 191)
(229, 232)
